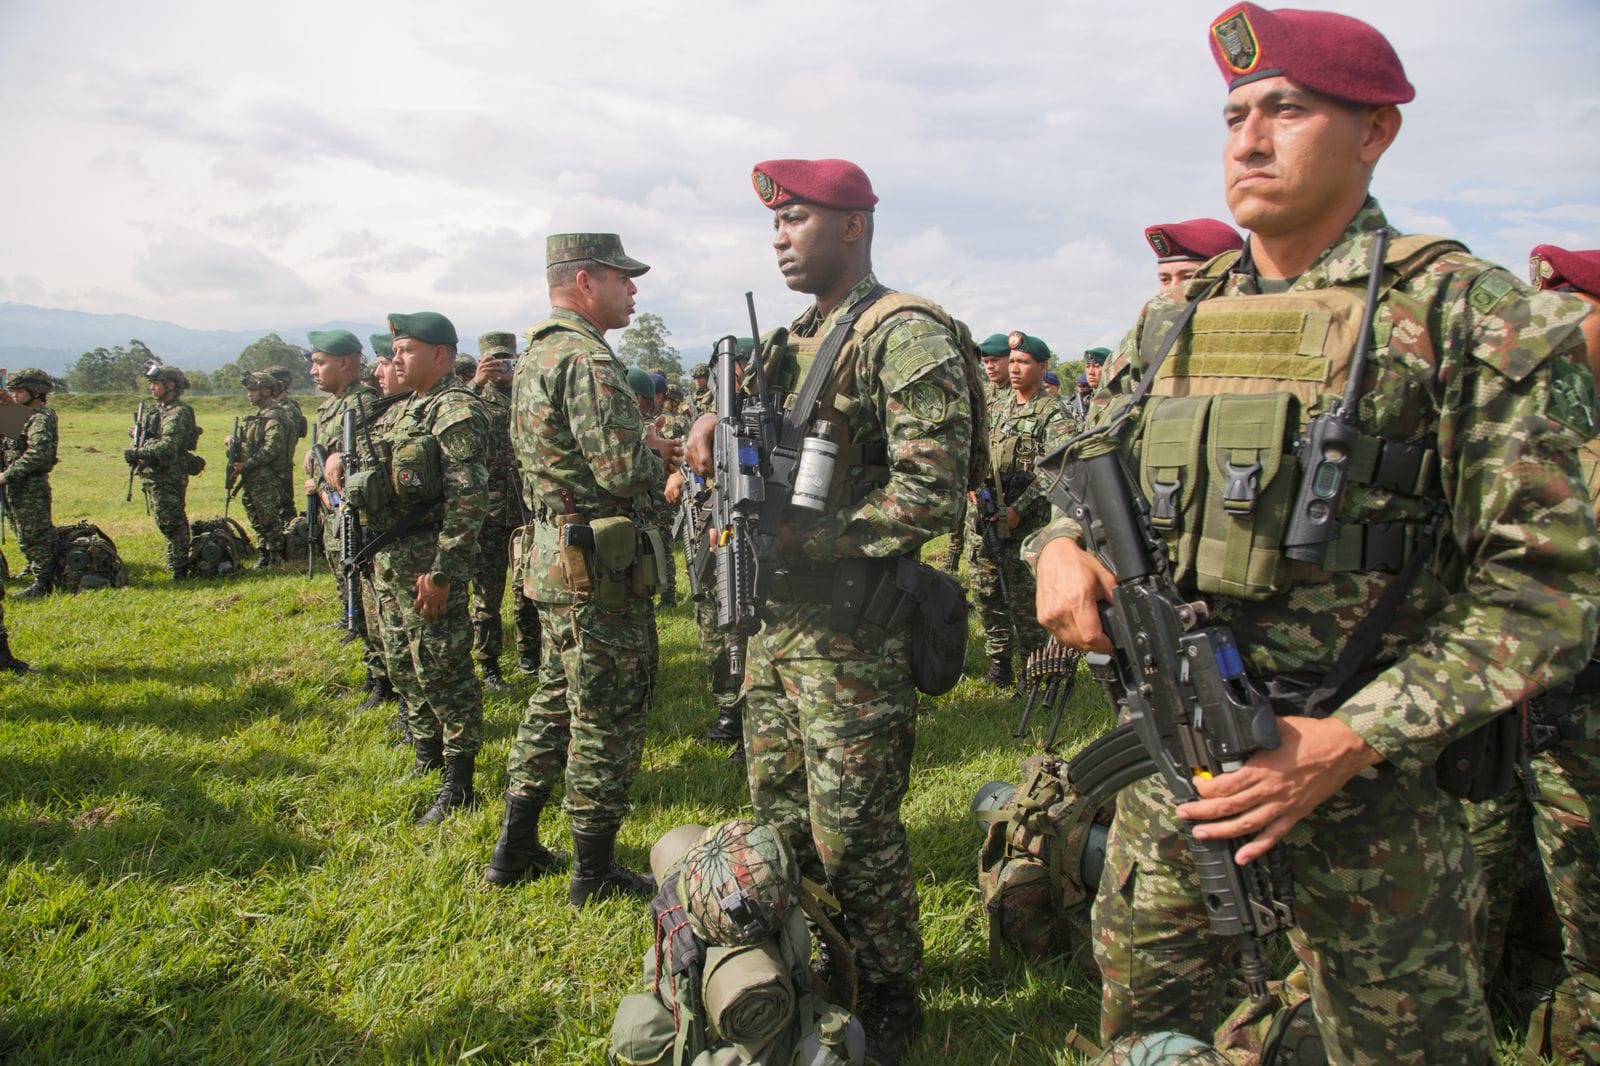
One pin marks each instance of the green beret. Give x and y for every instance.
(743, 346)
(1096, 356)
(498, 344)
(1029, 345)
(699, 370)
(603, 248)
(382, 345)
(994, 346)
(31, 378)
(334, 342)
(429, 327)
(642, 385)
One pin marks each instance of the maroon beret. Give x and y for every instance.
(1334, 55)
(827, 182)
(1197, 239)
(1550, 267)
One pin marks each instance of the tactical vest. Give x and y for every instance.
(863, 465)
(1012, 453)
(1216, 458)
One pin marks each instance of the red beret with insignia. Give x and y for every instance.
(1197, 239)
(1334, 55)
(836, 183)
(1550, 267)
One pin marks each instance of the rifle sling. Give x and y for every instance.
(397, 529)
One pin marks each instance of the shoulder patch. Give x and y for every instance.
(927, 401)
(1489, 290)
(459, 442)
(1572, 397)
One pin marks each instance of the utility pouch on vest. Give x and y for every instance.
(1482, 764)
(1251, 479)
(616, 546)
(654, 560)
(1172, 473)
(415, 470)
(368, 491)
(574, 567)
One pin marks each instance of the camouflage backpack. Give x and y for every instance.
(295, 541)
(87, 559)
(217, 546)
(728, 979)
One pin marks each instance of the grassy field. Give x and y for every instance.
(206, 851)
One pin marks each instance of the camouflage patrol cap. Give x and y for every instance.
(429, 327)
(382, 345)
(641, 382)
(282, 377)
(498, 344)
(466, 367)
(334, 342)
(162, 372)
(995, 346)
(699, 370)
(31, 378)
(739, 883)
(605, 248)
(1096, 356)
(1025, 344)
(674, 394)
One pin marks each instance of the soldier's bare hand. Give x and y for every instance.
(669, 450)
(431, 599)
(237, 468)
(333, 471)
(674, 489)
(1013, 519)
(308, 488)
(1275, 789)
(1072, 584)
(701, 437)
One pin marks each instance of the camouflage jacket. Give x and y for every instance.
(576, 427)
(912, 395)
(677, 424)
(1470, 360)
(32, 453)
(705, 401)
(1019, 434)
(268, 441)
(505, 485)
(357, 396)
(170, 434)
(996, 397)
(451, 413)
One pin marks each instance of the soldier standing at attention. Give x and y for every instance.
(704, 399)
(267, 447)
(1022, 425)
(591, 468)
(1182, 248)
(166, 459)
(1476, 400)
(830, 705)
(491, 383)
(421, 501)
(282, 381)
(25, 466)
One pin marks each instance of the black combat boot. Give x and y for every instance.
(401, 727)
(42, 586)
(493, 680)
(430, 755)
(952, 559)
(1000, 671)
(528, 638)
(8, 661)
(379, 692)
(729, 726)
(891, 1015)
(263, 558)
(518, 853)
(595, 876)
(454, 793)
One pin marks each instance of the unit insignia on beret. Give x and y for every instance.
(1237, 41)
(1015, 338)
(1158, 241)
(766, 188)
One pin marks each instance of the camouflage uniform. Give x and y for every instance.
(265, 486)
(830, 717)
(1019, 433)
(500, 524)
(163, 463)
(364, 400)
(580, 445)
(27, 460)
(1388, 898)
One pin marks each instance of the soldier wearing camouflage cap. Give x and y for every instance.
(25, 464)
(265, 467)
(491, 381)
(1476, 397)
(166, 460)
(589, 462)
(701, 394)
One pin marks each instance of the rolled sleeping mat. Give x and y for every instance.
(748, 996)
(672, 846)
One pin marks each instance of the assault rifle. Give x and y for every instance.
(138, 442)
(686, 525)
(230, 480)
(1183, 684)
(319, 458)
(989, 513)
(352, 538)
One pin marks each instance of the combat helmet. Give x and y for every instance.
(281, 378)
(31, 378)
(155, 371)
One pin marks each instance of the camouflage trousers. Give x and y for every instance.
(28, 510)
(268, 504)
(489, 591)
(829, 731)
(996, 612)
(165, 493)
(364, 613)
(584, 724)
(1390, 911)
(429, 659)
(725, 688)
(1516, 838)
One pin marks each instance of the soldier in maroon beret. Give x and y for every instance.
(1576, 272)
(1181, 247)
(1475, 385)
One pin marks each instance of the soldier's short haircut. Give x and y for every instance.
(562, 275)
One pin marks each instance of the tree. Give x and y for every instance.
(273, 350)
(117, 369)
(644, 344)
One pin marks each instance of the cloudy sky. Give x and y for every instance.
(224, 165)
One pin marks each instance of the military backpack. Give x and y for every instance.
(217, 546)
(87, 559)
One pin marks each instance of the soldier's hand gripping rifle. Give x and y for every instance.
(319, 459)
(230, 480)
(352, 538)
(138, 442)
(1184, 685)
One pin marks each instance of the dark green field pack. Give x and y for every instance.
(87, 559)
(217, 546)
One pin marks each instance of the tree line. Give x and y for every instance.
(121, 368)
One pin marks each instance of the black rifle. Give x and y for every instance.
(1183, 684)
(138, 442)
(230, 480)
(319, 457)
(686, 525)
(352, 538)
(989, 513)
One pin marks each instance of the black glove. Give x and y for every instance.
(130, 456)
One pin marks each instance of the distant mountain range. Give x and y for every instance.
(52, 339)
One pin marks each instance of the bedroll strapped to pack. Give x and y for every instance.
(728, 978)
(217, 546)
(87, 559)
